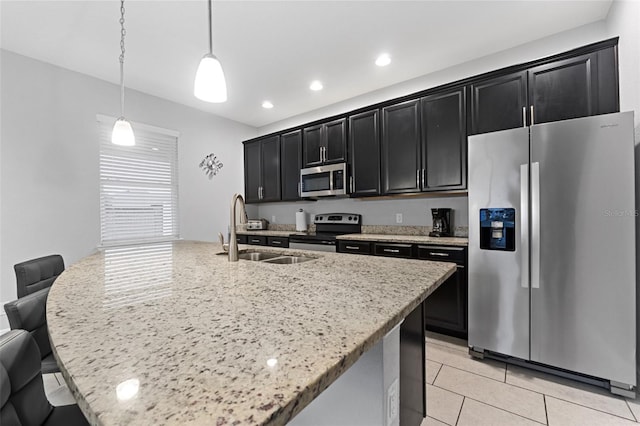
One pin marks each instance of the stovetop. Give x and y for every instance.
(318, 236)
(329, 225)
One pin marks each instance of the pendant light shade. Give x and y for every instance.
(210, 84)
(123, 133)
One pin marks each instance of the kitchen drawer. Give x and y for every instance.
(355, 247)
(259, 240)
(393, 250)
(442, 253)
(241, 239)
(278, 241)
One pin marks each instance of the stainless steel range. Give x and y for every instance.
(328, 226)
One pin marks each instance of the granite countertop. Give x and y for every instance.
(267, 233)
(418, 239)
(173, 334)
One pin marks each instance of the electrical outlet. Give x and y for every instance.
(273, 219)
(392, 403)
(398, 217)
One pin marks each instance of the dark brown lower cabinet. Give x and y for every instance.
(446, 308)
(258, 240)
(413, 404)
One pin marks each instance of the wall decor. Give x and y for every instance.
(211, 165)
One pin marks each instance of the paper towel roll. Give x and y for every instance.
(301, 221)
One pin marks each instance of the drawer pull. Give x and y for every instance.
(352, 248)
(255, 241)
(439, 254)
(276, 242)
(387, 250)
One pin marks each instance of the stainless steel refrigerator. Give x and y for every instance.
(552, 246)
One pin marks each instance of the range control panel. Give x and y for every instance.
(338, 218)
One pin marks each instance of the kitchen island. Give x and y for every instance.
(175, 334)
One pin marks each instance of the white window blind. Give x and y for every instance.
(138, 186)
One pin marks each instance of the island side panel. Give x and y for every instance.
(413, 405)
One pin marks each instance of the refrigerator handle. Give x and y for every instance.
(535, 225)
(524, 224)
(524, 116)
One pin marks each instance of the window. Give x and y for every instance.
(138, 186)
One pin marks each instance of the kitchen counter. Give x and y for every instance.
(174, 334)
(268, 233)
(417, 239)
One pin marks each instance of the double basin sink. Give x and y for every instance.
(281, 259)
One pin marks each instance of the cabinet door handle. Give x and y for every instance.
(423, 180)
(352, 248)
(418, 178)
(300, 189)
(524, 116)
(325, 153)
(258, 193)
(438, 254)
(531, 109)
(388, 250)
(351, 184)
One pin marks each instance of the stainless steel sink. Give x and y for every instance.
(257, 256)
(289, 260)
(280, 259)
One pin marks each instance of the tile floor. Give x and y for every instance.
(464, 391)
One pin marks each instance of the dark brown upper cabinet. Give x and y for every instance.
(417, 143)
(364, 153)
(424, 144)
(400, 148)
(499, 103)
(262, 170)
(574, 87)
(444, 141)
(324, 143)
(290, 162)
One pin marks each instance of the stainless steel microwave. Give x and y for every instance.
(323, 180)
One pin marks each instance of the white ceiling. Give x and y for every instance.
(274, 49)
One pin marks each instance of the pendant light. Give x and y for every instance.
(122, 132)
(210, 84)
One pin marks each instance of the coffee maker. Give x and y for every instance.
(441, 223)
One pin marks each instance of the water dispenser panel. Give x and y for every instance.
(498, 229)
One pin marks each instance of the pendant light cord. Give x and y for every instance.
(123, 32)
(210, 30)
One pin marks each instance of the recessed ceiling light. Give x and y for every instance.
(315, 85)
(267, 105)
(383, 60)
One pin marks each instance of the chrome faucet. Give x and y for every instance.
(233, 239)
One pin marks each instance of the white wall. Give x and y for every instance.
(49, 162)
(417, 211)
(541, 48)
(624, 21)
